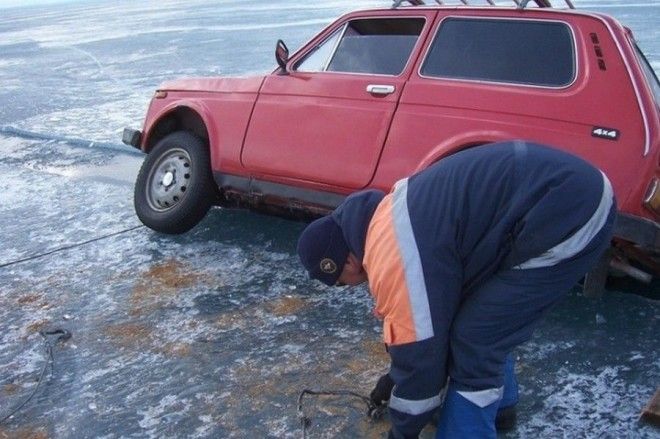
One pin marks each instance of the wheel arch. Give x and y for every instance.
(179, 118)
(459, 143)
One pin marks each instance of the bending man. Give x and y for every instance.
(462, 260)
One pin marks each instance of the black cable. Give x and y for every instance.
(62, 335)
(68, 247)
(374, 411)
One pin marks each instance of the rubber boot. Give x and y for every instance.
(463, 419)
(506, 412)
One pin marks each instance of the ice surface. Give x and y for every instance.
(214, 333)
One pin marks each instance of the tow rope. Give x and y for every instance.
(69, 247)
(374, 412)
(62, 335)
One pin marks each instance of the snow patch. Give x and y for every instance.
(586, 405)
(168, 407)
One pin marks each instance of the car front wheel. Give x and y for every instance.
(175, 188)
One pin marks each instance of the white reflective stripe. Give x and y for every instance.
(483, 398)
(417, 406)
(412, 263)
(580, 239)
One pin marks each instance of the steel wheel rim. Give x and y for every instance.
(168, 180)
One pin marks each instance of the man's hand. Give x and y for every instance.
(381, 393)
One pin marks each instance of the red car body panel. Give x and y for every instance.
(342, 123)
(224, 104)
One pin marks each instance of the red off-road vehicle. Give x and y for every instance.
(381, 94)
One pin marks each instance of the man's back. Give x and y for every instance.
(484, 204)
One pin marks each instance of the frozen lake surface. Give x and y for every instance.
(213, 334)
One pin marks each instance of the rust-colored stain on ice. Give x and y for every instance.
(176, 349)
(370, 360)
(172, 274)
(32, 301)
(369, 429)
(160, 281)
(36, 326)
(375, 349)
(23, 433)
(287, 305)
(10, 389)
(231, 320)
(28, 299)
(129, 334)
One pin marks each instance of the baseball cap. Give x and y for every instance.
(323, 250)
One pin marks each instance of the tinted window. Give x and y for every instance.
(376, 46)
(516, 51)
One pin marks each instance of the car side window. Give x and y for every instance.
(317, 59)
(375, 46)
(511, 51)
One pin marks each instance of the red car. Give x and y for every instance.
(381, 94)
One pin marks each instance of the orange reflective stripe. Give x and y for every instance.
(384, 266)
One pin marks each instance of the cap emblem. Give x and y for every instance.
(328, 266)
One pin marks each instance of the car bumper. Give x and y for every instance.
(641, 231)
(132, 137)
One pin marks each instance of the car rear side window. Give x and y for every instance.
(511, 51)
(373, 46)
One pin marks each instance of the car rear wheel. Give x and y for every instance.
(175, 188)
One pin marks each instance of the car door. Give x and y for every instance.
(326, 120)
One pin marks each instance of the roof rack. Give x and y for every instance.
(521, 4)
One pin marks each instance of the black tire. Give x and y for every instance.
(174, 188)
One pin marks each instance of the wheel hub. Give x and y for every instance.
(169, 180)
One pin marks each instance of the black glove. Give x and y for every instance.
(381, 393)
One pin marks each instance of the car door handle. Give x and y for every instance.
(376, 89)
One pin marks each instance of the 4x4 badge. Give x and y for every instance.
(605, 133)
